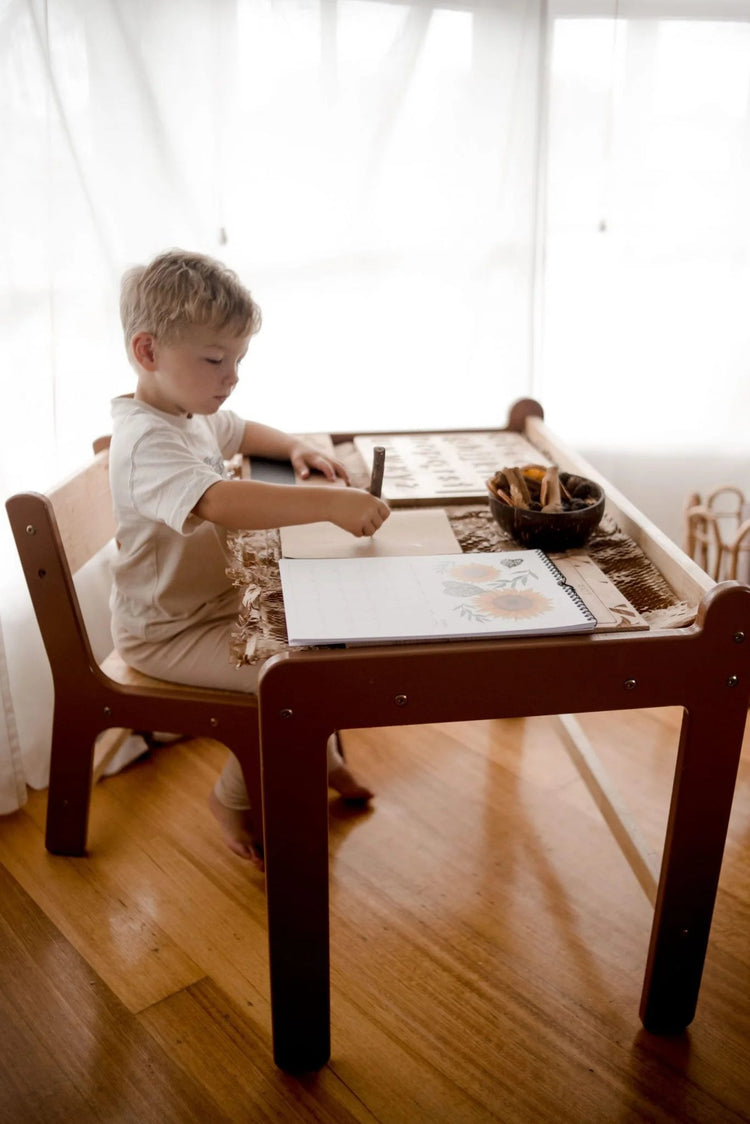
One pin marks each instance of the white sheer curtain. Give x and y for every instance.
(646, 332)
(370, 169)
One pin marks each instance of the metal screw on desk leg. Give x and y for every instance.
(30, 530)
(108, 712)
(733, 680)
(401, 700)
(630, 684)
(738, 637)
(213, 721)
(287, 712)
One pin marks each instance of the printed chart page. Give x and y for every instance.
(424, 468)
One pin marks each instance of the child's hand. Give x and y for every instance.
(356, 511)
(304, 457)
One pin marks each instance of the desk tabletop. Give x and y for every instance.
(628, 555)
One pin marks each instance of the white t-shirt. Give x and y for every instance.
(170, 570)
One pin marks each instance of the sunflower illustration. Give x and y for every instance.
(473, 572)
(515, 604)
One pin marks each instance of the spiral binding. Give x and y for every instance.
(571, 591)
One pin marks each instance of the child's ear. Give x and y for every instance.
(144, 351)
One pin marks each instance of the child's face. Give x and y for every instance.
(195, 375)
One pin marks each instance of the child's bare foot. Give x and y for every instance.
(341, 779)
(346, 784)
(236, 827)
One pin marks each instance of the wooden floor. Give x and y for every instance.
(488, 946)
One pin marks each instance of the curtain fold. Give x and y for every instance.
(12, 773)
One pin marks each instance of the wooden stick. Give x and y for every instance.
(519, 493)
(618, 820)
(550, 493)
(378, 468)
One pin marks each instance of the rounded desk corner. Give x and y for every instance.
(269, 665)
(522, 409)
(726, 606)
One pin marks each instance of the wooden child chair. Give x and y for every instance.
(717, 533)
(56, 533)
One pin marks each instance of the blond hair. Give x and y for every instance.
(179, 290)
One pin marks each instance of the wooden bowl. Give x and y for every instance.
(552, 531)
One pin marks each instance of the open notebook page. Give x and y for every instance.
(432, 597)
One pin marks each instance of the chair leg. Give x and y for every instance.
(71, 771)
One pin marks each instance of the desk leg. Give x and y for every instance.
(295, 813)
(705, 776)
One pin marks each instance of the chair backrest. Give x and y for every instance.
(56, 534)
(83, 511)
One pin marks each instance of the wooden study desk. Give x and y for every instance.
(305, 695)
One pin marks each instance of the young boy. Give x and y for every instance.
(188, 322)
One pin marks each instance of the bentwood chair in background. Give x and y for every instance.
(717, 533)
(56, 534)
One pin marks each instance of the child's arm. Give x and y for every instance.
(252, 505)
(264, 441)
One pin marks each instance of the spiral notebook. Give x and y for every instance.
(430, 597)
